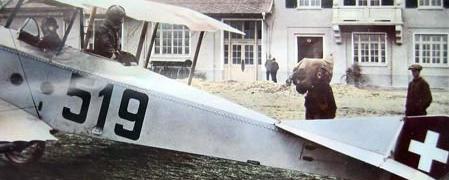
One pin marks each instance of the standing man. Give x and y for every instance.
(419, 96)
(107, 36)
(320, 102)
(268, 64)
(274, 70)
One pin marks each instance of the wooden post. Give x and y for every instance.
(153, 39)
(195, 58)
(89, 31)
(142, 39)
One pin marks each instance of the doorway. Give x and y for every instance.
(242, 54)
(310, 47)
(242, 65)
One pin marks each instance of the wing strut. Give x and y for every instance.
(13, 13)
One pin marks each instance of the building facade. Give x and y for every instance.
(382, 36)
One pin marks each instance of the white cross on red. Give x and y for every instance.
(428, 151)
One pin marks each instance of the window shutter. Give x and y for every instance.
(326, 3)
(446, 3)
(291, 3)
(349, 2)
(387, 2)
(411, 3)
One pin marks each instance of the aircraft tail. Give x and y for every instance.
(424, 145)
(411, 147)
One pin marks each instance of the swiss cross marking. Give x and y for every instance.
(428, 151)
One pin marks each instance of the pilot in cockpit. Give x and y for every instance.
(51, 39)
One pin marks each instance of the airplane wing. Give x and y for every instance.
(146, 10)
(18, 125)
(399, 145)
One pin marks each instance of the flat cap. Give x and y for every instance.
(415, 67)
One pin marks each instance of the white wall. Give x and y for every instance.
(425, 21)
(286, 24)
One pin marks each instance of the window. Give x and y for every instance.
(429, 3)
(236, 54)
(369, 48)
(309, 3)
(250, 28)
(431, 49)
(259, 54)
(172, 39)
(249, 54)
(291, 3)
(368, 2)
(226, 54)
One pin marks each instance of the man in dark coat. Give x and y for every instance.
(312, 76)
(320, 102)
(51, 39)
(268, 63)
(107, 35)
(272, 68)
(419, 96)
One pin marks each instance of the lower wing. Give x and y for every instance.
(18, 125)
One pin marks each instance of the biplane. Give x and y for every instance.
(74, 91)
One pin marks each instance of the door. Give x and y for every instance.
(240, 62)
(310, 47)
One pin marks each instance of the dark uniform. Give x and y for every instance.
(51, 39)
(320, 102)
(419, 96)
(272, 68)
(107, 35)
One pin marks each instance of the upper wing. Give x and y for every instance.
(381, 142)
(158, 12)
(18, 125)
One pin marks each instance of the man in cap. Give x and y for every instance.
(419, 96)
(107, 35)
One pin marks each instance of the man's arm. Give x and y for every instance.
(427, 95)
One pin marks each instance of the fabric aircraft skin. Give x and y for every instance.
(19, 125)
(424, 145)
(145, 10)
(384, 142)
(81, 93)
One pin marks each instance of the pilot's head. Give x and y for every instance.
(49, 25)
(115, 14)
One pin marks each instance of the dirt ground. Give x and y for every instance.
(75, 157)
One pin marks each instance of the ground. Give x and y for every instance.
(75, 157)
